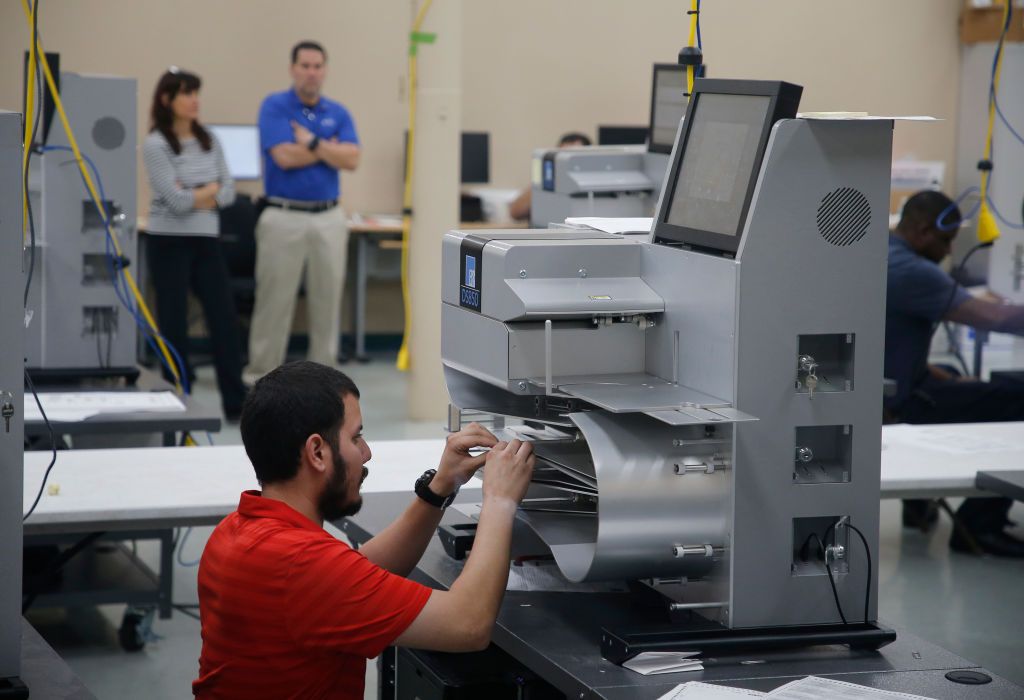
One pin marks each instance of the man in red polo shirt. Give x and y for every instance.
(289, 611)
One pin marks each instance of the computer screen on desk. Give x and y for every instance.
(241, 144)
(621, 135)
(475, 162)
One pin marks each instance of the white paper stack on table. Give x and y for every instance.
(76, 406)
(651, 663)
(807, 688)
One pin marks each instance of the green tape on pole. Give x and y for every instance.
(417, 38)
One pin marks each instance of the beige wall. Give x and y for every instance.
(531, 70)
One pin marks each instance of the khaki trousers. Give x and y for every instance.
(286, 242)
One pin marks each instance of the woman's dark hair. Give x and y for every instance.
(161, 115)
(284, 408)
(574, 137)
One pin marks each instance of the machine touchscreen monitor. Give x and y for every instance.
(668, 105)
(716, 161)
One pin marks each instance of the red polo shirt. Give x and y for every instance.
(289, 611)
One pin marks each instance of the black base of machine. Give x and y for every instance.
(457, 540)
(71, 375)
(13, 689)
(621, 645)
(408, 674)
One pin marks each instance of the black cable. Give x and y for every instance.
(53, 445)
(828, 569)
(41, 100)
(867, 586)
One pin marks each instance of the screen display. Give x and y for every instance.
(241, 144)
(716, 167)
(669, 105)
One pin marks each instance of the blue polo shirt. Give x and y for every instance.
(918, 294)
(313, 183)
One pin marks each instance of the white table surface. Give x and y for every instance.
(168, 486)
(943, 460)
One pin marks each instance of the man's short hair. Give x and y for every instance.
(574, 137)
(931, 208)
(307, 44)
(284, 408)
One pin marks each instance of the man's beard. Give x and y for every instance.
(332, 503)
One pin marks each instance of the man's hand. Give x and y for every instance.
(457, 464)
(303, 136)
(509, 469)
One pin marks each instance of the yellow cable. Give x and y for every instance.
(690, 70)
(992, 113)
(30, 94)
(91, 187)
(403, 362)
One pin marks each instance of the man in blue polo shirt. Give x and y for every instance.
(306, 139)
(920, 295)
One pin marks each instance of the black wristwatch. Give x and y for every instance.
(314, 143)
(423, 491)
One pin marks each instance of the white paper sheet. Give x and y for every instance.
(941, 439)
(76, 406)
(621, 224)
(815, 688)
(651, 663)
(695, 690)
(863, 116)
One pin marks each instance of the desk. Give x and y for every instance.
(935, 461)
(557, 637)
(196, 416)
(368, 233)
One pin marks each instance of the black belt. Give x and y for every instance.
(308, 207)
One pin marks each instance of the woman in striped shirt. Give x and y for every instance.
(189, 180)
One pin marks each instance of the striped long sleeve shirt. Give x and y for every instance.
(172, 177)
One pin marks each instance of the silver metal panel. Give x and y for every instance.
(645, 510)
(700, 319)
(581, 298)
(68, 229)
(475, 345)
(575, 349)
(793, 283)
(12, 284)
(633, 393)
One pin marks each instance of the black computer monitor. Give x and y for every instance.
(668, 105)
(476, 157)
(475, 164)
(716, 162)
(241, 146)
(621, 135)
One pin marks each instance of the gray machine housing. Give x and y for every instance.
(618, 181)
(12, 443)
(695, 449)
(77, 324)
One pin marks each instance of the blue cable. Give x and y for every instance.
(699, 44)
(120, 284)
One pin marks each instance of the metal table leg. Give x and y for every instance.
(359, 319)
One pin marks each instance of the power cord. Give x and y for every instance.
(37, 77)
(53, 446)
(828, 568)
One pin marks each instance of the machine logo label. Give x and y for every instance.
(471, 274)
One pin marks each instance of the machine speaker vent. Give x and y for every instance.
(844, 216)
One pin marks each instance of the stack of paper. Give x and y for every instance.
(808, 688)
(620, 224)
(651, 663)
(75, 406)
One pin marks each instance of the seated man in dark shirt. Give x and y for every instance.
(920, 296)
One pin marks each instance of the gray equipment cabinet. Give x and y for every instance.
(12, 283)
(716, 386)
(78, 327)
